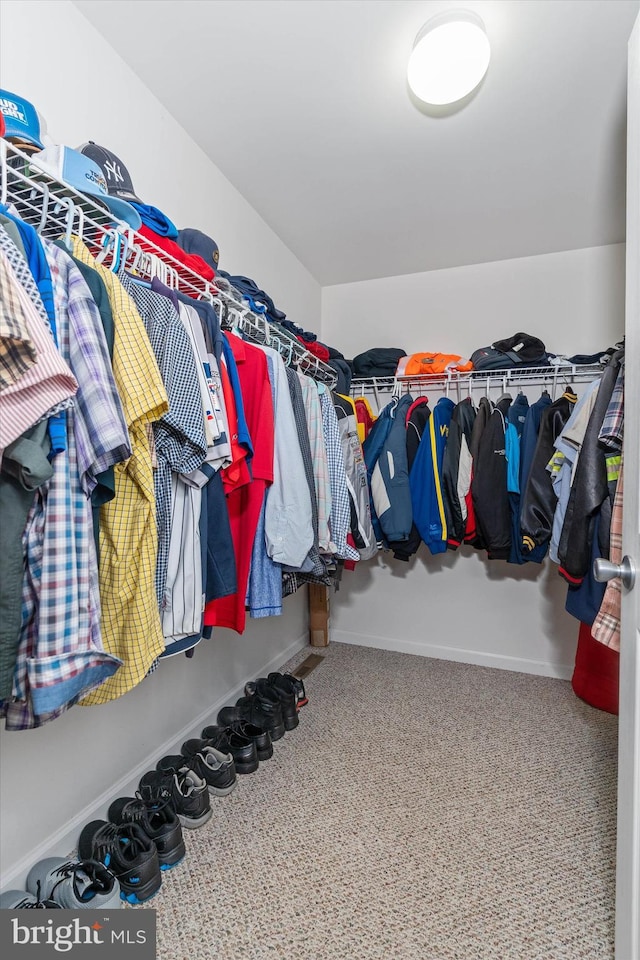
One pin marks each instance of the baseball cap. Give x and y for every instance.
(116, 175)
(85, 176)
(21, 120)
(195, 241)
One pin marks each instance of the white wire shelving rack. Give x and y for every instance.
(474, 383)
(57, 211)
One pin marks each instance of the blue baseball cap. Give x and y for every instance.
(21, 119)
(195, 241)
(85, 176)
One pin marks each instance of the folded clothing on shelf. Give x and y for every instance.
(377, 362)
(520, 350)
(431, 363)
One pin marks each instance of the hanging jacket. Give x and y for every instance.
(538, 503)
(416, 420)
(530, 437)
(371, 450)
(485, 409)
(590, 488)
(356, 474)
(516, 419)
(563, 462)
(390, 477)
(456, 471)
(365, 417)
(489, 485)
(425, 479)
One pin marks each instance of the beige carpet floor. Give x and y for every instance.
(422, 810)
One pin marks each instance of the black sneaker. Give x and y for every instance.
(264, 690)
(220, 780)
(189, 793)
(234, 741)
(154, 811)
(128, 853)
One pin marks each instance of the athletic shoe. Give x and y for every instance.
(189, 793)
(75, 884)
(154, 811)
(21, 900)
(242, 748)
(128, 853)
(216, 767)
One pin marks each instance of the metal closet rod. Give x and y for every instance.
(56, 210)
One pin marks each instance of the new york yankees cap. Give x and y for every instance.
(118, 178)
(81, 173)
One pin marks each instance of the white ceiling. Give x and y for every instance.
(303, 105)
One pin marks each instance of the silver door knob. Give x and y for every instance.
(604, 570)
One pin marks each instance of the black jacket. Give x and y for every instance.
(416, 422)
(590, 488)
(461, 426)
(489, 485)
(539, 501)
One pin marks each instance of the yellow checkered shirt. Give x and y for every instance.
(131, 626)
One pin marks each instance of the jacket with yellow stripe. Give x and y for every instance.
(425, 479)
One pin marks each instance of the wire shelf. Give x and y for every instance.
(56, 210)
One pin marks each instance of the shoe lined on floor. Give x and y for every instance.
(189, 793)
(219, 775)
(267, 692)
(292, 685)
(230, 736)
(261, 710)
(154, 811)
(75, 884)
(21, 900)
(214, 766)
(128, 852)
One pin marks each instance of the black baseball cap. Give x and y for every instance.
(119, 182)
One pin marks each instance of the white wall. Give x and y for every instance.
(573, 301)
(54, 778)
(460, 606)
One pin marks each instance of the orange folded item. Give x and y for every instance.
(431, 363)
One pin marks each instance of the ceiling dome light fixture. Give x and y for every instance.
(450, 57)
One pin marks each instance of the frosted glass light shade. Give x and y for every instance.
(449, 58)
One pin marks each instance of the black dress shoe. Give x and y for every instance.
(263, 712)
(292, 685)
(261, 738)
(242, 748)
(265, 689)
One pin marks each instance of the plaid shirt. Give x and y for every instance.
(181, 444)
(42, 386)
(131, 627)
(28, 284)
(340, 502)
(313, 412)
(60, 657)
(17, 350)
(612, 429)
(606, 626)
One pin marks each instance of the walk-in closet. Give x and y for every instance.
(319, 479)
